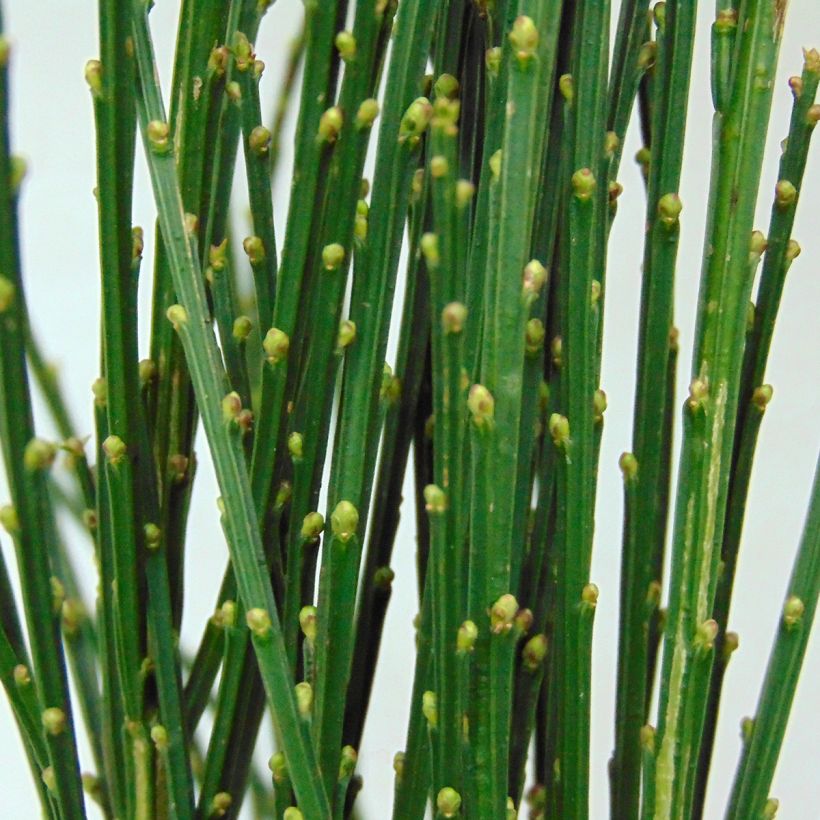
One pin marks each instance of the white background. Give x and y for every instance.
(52, 127)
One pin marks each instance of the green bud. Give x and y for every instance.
(770, 808)
(158, 134)
(54, 721)
(398, 765)
(435, 501)
(731, 642)
(429, 708)
(534, 652)
(415, 120)
(220, 804)
(333, 256)
(811, 60)
(242, 327)
(347, 333)
(367, 113)
(793, 611)
(344, 521)
(330, 125)
(177, 316)
(7, 293)
(467, 636)
(304, 698)
(757, 246)
(793, 250)
(583, 184)
(599, 405)
(747, 727)
(283, 494)
(296, 446)
(813, 115)
(159, 734)
(502, 614)
(153, 536)
(559, 429)
(279, 767)
(698, 393)
(292, 813)
(233, 91)
(228, 614)
(524, 39)
(511, 813)
(669, 209)
(448, 802)
(178, 467)
(308, 622)
(785, 194)
(258, 622)
(629, 466)
(643, 157)
(534, 336)
(383, 579)
(346, 45)
(276, 345)
(453, 317)
(218, 60)
(93, 76)
(615, 191)
(347, 764)
(242, 51)
(312, 526)
(57, 594)
(648, 738)
(218, 255)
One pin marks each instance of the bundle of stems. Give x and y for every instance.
(497, 130)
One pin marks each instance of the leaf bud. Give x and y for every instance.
(415, 120)
(524, 39)
(276, 345)
(158, 134)
(312, 526)
(669, 209)
(435, 501)
(467, 636)
(448, 802)
(333, 256)
(366, 114)
(346, 45)
(502, 614)
(254, 247)
(220, 804)
(258, 622)
(177, 316)
(330, 124)
(304, 698)
(429, 708)
(308, 623)
(344, 520)
(629, 466)
(583, 184)
(793, 611)
(534, 652)
(54, 721)
(481, 405)
(242, 327)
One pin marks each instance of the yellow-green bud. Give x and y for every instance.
(502, 613)
(231, 407)
(279, 767)
(481, 405)
(599, 405)
(220, 804)
(534, 652)
(344, 521)
(177, 316)
(153, 536)
(93, 76)
(492, 60)
(304, 698)
(669, 209)
(347, 333)
(22, 677)
(648, 738)
(333, 256)
(524, 38)
(698, 393)
(346, 45)
(398, 765)
(115, 449)
(347, 764)
(227, 614)
(54, 721)
(218, 255)
(429, 708)
(448, 802)
(453, 317)
(254, 247)
(9, 519)
(534, 336)
(439, 167)
(535, 275)
(7, 292)
(308, 623)
(366, 114)
(770, 808)
(446, 86)
(330, 124)
(435, 501)
(705, 635)
(242, 327)
(731, 642)
(312, 526)
(259, 140)
(49, 780)
(629, 466)
(467, 636)
(296, 446)
(158, 134)
(258, 622)
(292, 813)
(415, 120)
(39, 454)
(495, 164)
(159, 734)
(465, 191)
(566, 87)
(785, 194)
(57, 594)
(276, 345)
(429, 247)
(793, 611)
(583, 184)
(559, 429)
(762, 396)
(589, 598)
